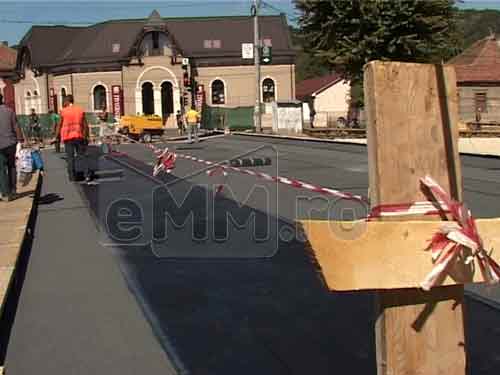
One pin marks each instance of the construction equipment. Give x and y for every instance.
(141, 128)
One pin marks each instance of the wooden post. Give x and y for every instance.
(412, 115)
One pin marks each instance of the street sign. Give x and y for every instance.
(247, 50)
(266, 55)
(117, 100)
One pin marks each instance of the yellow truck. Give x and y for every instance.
(142, 128)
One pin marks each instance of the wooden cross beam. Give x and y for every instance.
(412, 116)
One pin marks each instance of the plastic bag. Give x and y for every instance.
(24, 166)
(25, 161)
(24, 178)
(37, 160)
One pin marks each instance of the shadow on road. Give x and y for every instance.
(225, 316)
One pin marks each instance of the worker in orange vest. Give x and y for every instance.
(73, 131)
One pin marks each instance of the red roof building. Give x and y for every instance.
(478, 81)
(7, 66)
(326, 100)
(313, 86)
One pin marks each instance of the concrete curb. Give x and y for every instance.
(15, 255)
(485, 147)
(213, 133)
(309, 139)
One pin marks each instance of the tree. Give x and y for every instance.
(350, 33)
(306, 64)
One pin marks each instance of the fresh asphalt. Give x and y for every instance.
(208, 299)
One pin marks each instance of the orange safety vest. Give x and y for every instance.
(72, 123)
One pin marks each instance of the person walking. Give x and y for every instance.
(180, 122)
(192, 119)
(10, 135)
(73, 131)
(54, 119)
(35, 128)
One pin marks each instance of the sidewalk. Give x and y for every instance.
(76, 314)
(13, 225)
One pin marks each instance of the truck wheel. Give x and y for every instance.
(147, 138)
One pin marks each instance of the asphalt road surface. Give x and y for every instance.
(225, 284)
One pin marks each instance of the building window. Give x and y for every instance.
(268, 90)
(63, 94)
(116, 47)
(99, 98)
(35, 93)
(481, 102)
(28, 95)
(156, 39)
(209, 43)
(148, 103)
(218, 95)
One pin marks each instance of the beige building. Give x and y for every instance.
(478, 81)
(146, 66)
(325, 100)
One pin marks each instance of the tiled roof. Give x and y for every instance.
(312, 86)
(56, 45)
(480, 63)
(7, 58)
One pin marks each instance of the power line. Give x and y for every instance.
(276, 9)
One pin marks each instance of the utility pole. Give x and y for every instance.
(257, 112)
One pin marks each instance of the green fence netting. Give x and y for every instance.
(240, 118)
(47, 126)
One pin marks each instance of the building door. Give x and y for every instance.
(167, 100)
(148, 102)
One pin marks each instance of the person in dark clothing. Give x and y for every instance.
(35, 128)
(10, 134)
(55, 118)
(180, 123)
(73, 131)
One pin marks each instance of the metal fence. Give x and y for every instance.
(240, 118)
(48, 127)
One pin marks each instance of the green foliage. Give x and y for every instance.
(474, 25)
(347, 34)
(307, 64)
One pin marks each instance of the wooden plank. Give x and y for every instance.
(405, 135)
(386, 255)
(406, 141)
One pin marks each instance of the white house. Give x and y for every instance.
(326, 97)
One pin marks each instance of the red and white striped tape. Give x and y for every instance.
(448, 244)
(279, 179)
(408, 209)
(393, 210)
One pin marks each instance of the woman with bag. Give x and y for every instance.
(10, 135)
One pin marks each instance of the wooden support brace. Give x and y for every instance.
(412, 115)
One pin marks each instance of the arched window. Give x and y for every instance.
(268, 90)
(28, 94)
(218, 94)
(99, 98)
(148, 103)
(35, 93)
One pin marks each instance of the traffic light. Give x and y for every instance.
(185, 99)
(266, 55)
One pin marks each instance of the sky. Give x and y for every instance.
(16, 17)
